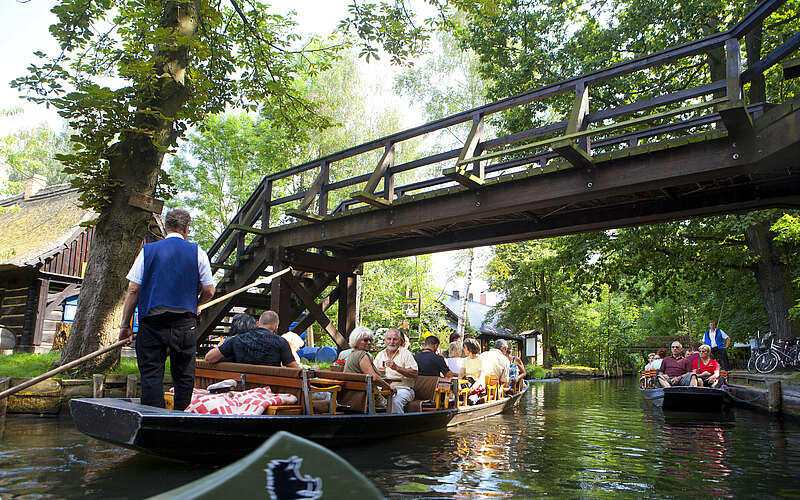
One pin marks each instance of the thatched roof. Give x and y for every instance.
(35, 228)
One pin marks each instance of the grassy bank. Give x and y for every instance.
(31, 365)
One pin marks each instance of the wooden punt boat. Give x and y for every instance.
(695, 399)
(285, 466)
(216, 438)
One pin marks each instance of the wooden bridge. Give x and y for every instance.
(696, 152)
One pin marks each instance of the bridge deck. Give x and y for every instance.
(688, 153)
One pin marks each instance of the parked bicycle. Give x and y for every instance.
(758, 346)
(782, 352)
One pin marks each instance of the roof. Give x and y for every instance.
(477, 315)
(40, 226)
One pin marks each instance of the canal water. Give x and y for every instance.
(574, 439)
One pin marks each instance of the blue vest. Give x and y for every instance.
(170, 277)
(720, 340)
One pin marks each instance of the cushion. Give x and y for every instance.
(250, 402)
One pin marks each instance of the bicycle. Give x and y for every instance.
(757, 348)
(783, 352)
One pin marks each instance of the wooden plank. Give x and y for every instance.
(791, 68)
(771, 59)
(313, 190)
(58, 298)
(309, 261)
(461, 176)
(386, 162)
(41, 311)
(370, 199)
(597, 130)
(59, 278)
(326, 303)
(300, 214)
(314, 309)
(573, 154)
(733, 70)
(146, 203)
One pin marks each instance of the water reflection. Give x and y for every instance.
(578, 439)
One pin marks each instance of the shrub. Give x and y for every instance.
(537, 372)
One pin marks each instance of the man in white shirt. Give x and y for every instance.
(398, 363)
(495, 362)
(719, 342)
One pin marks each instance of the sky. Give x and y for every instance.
(24, 29)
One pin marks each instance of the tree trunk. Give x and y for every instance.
(773, 279)
(134, 164)
(462, 318)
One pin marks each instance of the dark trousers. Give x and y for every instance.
(176, 333)
(721, 356)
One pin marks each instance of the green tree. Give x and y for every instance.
(33, 151)
(130, 77)
(217, 170)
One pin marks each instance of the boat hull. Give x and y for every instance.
(696, 399)
(214, 438)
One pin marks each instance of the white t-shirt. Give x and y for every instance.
(404, 359)
(712, 336)
(495, 363)
(455, 364)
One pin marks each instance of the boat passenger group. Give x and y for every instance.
(696, 368)
(394, 368)
(164, 282)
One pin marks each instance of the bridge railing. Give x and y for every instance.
(571, 140)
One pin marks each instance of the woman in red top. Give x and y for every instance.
(706, 368)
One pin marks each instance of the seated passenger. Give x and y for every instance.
(360, 360)
(673, 369)
(495, 362)
(295, 342)
(398, 363)
(260, 346)
(455, 356)
(691, 356)
(706, 368)
(431, 364)
(516, 370)
(471, 366)
(240, 323)
(655, 364)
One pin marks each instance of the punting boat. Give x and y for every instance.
(283, 467)
(350, 420)
(696, 399)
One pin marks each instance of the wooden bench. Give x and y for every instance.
(357, 392)
(648, 380)
(279, 379)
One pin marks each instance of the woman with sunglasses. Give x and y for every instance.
(706, 368)
(360, 360)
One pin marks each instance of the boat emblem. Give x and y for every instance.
(286, 482)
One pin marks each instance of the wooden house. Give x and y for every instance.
(487, 329)
(43, 255)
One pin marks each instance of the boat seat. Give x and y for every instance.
(493, 390)
(280, 379)
(353, 391)
(442, 395)
(463, 387)
(648, 379)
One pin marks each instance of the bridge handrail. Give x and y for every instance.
(258, 205)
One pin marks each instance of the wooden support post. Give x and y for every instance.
(5, 383)
(367, 195)
(41, 311)
(774, 396)
(459, 173)
(131, 386)
(577, 153)
(280, 299)
(347, 305)
(734, 112)
(98, 380)
(322, 199)
(314, 309)
(266, 207)
(326, 304)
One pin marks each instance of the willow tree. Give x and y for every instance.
(130, 77)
